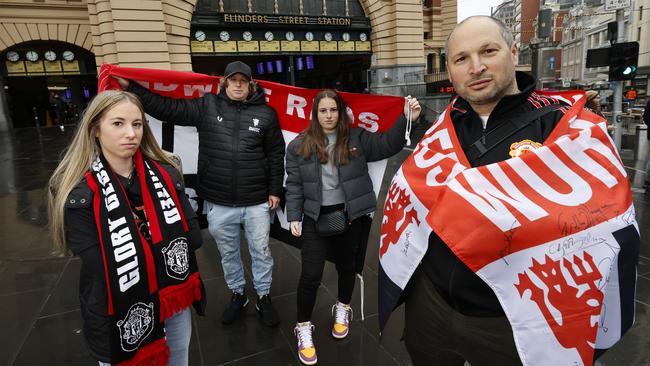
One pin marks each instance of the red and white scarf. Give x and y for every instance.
(147, 282)
(552, 232)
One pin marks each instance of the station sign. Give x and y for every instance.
(286, 19)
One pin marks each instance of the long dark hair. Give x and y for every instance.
(313, 139)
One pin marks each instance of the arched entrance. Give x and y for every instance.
(47, 82)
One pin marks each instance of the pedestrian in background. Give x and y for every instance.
(646, 119)
(593, 102)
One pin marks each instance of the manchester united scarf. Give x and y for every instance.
(552, 232)
(146, 282)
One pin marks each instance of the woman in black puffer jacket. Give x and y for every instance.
(327, 175)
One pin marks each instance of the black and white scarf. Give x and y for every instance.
(147, 282)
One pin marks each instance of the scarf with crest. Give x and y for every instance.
(147, 281)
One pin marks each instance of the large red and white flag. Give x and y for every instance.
(293, 106)
(552, 232)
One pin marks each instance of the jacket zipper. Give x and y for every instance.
(235, 156)
(345, 198)
(319, 171)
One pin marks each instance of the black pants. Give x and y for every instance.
(436, 334)
(314, 253)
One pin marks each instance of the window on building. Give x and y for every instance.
(427, 35)
(207, 5)
(264, 6)
(596, 41)
(336, 8)
(427, 3)
(638, 34)
(313, 7)
(640, 12)
(235, 6)
(355, 9)
(289, 6)
(430, 59)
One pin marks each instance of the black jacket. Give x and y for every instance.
(83, 240)
(458, 285)
(304, 182)
(241, 149)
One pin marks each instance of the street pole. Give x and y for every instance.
(618, 92)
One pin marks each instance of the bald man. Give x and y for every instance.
(452, 315)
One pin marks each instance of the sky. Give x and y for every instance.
(467, 8)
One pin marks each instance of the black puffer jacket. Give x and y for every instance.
(83, 240)
(305, 186)
(241, 149)
(463, 289)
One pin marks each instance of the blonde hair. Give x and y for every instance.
(83, 150)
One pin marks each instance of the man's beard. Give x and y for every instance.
(491, 96)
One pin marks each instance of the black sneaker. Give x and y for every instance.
(237, 304)
(268, 314)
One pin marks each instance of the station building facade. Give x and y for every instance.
(51, 49)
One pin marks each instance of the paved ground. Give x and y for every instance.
(39, 306)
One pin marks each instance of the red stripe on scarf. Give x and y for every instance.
(170, 185)
(153, 354)
(173, 299)
(148, 255)
(90, 180)
(154, 223)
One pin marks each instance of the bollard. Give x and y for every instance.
(641, 151)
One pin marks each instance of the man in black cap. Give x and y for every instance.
(240, 173)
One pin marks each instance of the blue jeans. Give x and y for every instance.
(224, 226)
(178, 331)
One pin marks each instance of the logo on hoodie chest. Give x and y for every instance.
(254, 127)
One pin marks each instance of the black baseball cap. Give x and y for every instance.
(238, 67)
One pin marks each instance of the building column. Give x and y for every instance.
(123, 29)
(398, 64)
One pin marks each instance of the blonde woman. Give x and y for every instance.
(116, 200)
